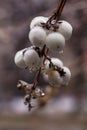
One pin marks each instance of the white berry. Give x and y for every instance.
(32, 58)
(57, 62)
(18, 59)
(55, 42)
(54, 78)
(67, 76)
(37, 36)
(65, 29)
(37, 21)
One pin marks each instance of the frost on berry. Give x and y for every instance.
(19, 60)
(37, 36)
(55, 42)
(31, 58)
(37, 21)
(65, 29)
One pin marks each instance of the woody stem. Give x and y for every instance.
(60, 9)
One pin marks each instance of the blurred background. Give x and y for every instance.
(63, 109)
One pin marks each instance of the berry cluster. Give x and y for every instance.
(46, 34)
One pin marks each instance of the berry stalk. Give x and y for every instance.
(56, 16)
(60, 9)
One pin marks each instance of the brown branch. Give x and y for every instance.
(56, 16)
(45, 53)
(60, 9)
(36, 81)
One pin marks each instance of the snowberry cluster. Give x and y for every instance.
(45, 35)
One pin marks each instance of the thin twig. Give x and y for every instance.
(36, 80)
(60, 9)
(46, 53)
(57, 14)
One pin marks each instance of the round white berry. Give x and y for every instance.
(37, 21)
(65, 29)
(37, 36)
(55, 41)
(18, 59)
(67, 76)
(54, 78)
(32, 58)
(55, 61)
